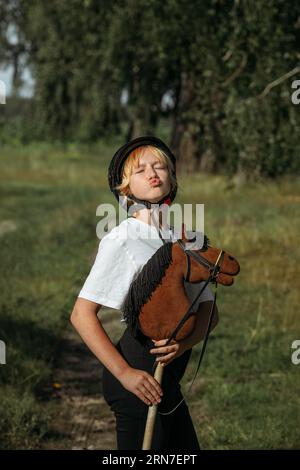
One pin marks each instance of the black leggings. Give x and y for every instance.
(171, 432)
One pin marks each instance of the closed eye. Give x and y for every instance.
(160, 167)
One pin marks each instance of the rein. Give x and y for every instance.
(214, 270)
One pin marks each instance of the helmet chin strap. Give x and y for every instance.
(141, 204)
(148, 204)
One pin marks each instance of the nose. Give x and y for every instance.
(150, 172)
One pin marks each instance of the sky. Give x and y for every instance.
(6, 72)
(6, 77)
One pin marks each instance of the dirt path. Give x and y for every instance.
(83, 420)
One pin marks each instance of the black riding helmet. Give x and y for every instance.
(118, 160)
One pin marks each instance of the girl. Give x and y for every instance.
(143, 172)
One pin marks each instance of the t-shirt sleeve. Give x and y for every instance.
(192, 289)
(109, 279)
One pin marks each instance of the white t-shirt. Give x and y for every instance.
(122, 253)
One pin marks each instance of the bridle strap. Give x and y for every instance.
(188, 312)
(211, 315)
(214, 271)
(212, 278)
(200, 259)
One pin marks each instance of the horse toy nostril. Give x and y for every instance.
(231, 258)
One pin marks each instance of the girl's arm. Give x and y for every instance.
(84, 319)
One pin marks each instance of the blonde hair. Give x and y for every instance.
(132, 162)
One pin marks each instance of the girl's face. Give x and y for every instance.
(151, 179)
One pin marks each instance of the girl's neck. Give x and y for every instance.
(147, 216)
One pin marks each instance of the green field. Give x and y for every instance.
(247, 394)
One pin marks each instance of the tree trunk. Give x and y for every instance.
(184, 133)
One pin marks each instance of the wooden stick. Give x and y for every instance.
(152, 411)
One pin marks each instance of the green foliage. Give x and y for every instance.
(214, 58)
(23, 423)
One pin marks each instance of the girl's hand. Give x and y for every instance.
(167, 353)
(142, 384)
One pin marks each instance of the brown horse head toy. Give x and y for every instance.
(157, 302)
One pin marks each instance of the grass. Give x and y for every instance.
(246, 395)
(248, 387)
(49, 196)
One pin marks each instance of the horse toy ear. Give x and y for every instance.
(183, 236)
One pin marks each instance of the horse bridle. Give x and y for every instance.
(214, 270)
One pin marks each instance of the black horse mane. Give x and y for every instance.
(145, 282)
